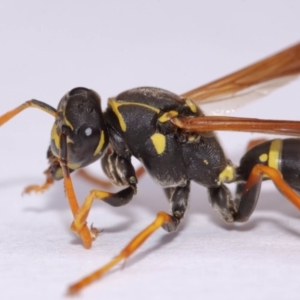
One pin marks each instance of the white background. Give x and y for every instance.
(48, 48)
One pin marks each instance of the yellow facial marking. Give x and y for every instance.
(159, 142)
(73, 166)
(205, 161)
(192, 105)
(275, 154)
(115, 107)
(67, 122)
(69, 141)
(55, 137)
(263, 157)
(101, 143)
(59, 174)
(167, 116)
(227, 175)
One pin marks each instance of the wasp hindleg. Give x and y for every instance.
(277, 160)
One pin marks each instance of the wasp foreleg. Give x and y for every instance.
(121, 171)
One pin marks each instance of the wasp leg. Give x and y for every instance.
(114, 199)
(161, 220)
(93, 179)
(118, 169)
(276, 160)
(249, 192)
(47, 108)
(241, 208)
(223, 202)
(40, 188)
(241, 185)
(85, 234)
(178, 198)
(121, 171)
(140, 172)
(54, 172)
(32, 103)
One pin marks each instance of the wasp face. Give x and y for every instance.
(81, 118)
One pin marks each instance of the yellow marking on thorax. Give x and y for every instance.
(275, 154)
(167, 116)
(101, 143)
(263, 157)
(115, 107)
(205, 161)
(159, 142)
(227, 175)
(191, 105)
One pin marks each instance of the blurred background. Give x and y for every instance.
(48, 48)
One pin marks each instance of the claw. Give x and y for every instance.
(95, 232)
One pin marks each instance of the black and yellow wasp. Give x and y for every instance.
(176, 144)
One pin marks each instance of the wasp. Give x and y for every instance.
(176, 144)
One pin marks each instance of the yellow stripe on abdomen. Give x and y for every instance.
(274, 160)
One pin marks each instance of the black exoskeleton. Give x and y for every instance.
(138, 123)
(146, 123)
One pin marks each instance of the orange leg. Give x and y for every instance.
(40, 188)
(135, 243)
(83, 212)
(86, 235)
(9, 115)
(259, 170)
(93, 179)
(115, 199)
(140, 172)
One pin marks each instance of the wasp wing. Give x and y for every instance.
(240, 87)
(225, 123)
(250, 83)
